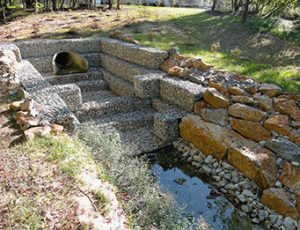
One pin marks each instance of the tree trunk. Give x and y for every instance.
(118, 5)
(2, 15)
(36, 6)
(245, 11)
(109, 4)
(54, 5)
(213, 7)
(47, 5)
(235, 5)
(62, 4)
(28, 3)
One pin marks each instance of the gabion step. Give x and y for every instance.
(46, 47)
(121, 68)
(94, 85)
(118, 85)
(180, 92)
(135, 119)
(92, 74)
(97, 96)
(140, 140)
(94, 109)
(144, 56)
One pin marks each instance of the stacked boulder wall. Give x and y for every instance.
(257, 163)
(249, 157)
(284, 148)
(290, 176)
(210, 138)
(250, 129)
(277, 199)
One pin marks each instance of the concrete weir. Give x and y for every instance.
(221, 117)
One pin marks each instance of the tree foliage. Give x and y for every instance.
(262, 8)
(53, 5)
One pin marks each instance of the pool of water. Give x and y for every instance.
(193, 192)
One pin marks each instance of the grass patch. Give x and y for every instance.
(286, 77)
(277, 27)
(26, 215)
(50, 174)
(102, 202)
(62, 151)
(143, 199)
(261, 57)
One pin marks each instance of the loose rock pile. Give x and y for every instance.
(9, 58)
(117, 34)
(29, 120)
(254, 126)
(179, 65)
(236, 187)
(26, 109)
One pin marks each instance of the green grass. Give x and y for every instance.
(64, 151)
(102, 202)
(26, 215)
(16, 13)
(265, 59)
(275, 27)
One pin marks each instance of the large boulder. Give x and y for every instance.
(248, 156)
(39, 131)
(234, 90)
(278, 123)
(290, 176)
(169, 63)
(297, 195)
(270, 89)
(252, 130)
(287, 106)
(246, 112)
(257, 163)
(265, 103)
(215, 98)
(216, 116)
(277, 199)
(242, 99)
(295, 136)
(209, 138)
(284, 148)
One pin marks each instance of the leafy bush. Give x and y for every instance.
(150, 207)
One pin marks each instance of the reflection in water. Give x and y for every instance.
(192, 191)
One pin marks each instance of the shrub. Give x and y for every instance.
(149, 206)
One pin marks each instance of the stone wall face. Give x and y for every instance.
(255, 127)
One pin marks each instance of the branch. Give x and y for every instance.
(92, 202)
(12, 187)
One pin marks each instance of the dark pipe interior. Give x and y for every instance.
(62, 58)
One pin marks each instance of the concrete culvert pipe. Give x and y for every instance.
(66, 62)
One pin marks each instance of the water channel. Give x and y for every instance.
(193, 191)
